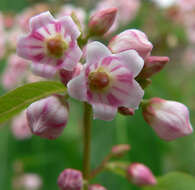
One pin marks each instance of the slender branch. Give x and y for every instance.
(87, 140)
(101, 167)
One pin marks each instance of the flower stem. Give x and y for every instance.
(87, 140)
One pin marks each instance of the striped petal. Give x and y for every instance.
(132, 61)
(77, 87)
(70, 27)
(104, 112)
(72, 58)
(31, 47)
(43, 70)
(96, 51)
(41, 20)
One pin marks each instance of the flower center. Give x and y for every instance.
(56, 46)
(98, 80)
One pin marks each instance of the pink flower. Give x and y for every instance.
(96, 187)
(169, 119)
(48, 117)
(70, 179)
(52, 43)
(20, 127)
(15, 72)
(107, 81)
(101, 21)
(27, 181)
(140, 175)
(131, 39)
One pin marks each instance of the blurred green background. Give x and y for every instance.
(49, 158)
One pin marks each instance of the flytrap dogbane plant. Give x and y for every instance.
(107, 79)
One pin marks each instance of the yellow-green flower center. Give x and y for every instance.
(98, 80)
(56, 46)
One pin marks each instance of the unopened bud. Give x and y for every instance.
(140, 175)
(70, 179)
(169, 119)
(66, 76)
(126, 111)
(96, 187)
(101, 21)
(153, 65)
(48, 117)
(131, 39)
(120, 150)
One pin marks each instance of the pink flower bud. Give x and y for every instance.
(48, 117)
(169, 119)
(70, 179)
(101, 21)
(126, 111)
(140, 175)
(152, 65)
(131, 39)
(96, 187)
(120, 150)
(66, 76)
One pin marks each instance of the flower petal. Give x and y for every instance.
(132, 61)
(135, 95)
(77, 87)
(104, 111)
(96, 51)
(72, 58)
(30, 48)
(43, 70)
(71, 28)
(41, 20)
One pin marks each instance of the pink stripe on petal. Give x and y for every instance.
(37, 36)
(127, 78)
(122, 91)
(116, 68)
(46, 29)
(107, 61)
(58, 27)
(87, 70)
(38, 57)
(33, 47)
(59, 62)
(113, 100)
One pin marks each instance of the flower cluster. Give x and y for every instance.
(107, 78)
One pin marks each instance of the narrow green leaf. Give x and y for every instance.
(174, 181)
(18, 99)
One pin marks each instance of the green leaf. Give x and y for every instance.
(20, 98)
(174, 181)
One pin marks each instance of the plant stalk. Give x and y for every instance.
(87, 141)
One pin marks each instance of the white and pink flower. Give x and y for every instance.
(169, 119)
(70, 179)
(140, 175)
(48, 117)
(52, 43)
(107, 81)
(131, 39)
